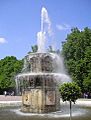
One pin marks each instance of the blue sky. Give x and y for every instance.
(20, 22)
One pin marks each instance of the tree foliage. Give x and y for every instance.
(34, 49)
(77, 54)
(70, 91)
(9, 67)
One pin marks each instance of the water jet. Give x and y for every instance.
(41, 75)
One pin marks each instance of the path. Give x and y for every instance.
(80, 102)
(10, 101)
(10, 98)
(16, 100)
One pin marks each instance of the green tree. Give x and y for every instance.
(9, 67)
(51, 50)
(77, 54)
(34, 48)
(70, 92)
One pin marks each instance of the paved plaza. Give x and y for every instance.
(17, 100)
(10, 98)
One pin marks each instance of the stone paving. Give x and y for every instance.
(10, 98)
(10, 101)
(16, 100)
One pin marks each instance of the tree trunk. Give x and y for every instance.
(70, 110)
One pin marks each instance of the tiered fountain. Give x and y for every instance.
(38, 83)
(39, 80)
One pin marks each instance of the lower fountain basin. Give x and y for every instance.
(79, 112)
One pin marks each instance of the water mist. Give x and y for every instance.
(41, 75)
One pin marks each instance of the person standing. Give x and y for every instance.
(5, 93)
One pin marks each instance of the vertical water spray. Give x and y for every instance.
(45, 31)
(42, 74)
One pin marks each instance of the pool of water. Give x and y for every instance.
(78, 113)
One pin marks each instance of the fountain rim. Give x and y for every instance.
(39, 73)
(41, 53)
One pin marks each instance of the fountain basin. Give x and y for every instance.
(39, 81)
(39, 93)
(79, 112)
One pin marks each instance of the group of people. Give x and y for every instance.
(87, 95)
(9, 93)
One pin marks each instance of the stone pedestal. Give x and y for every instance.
(38, 101)
(39, 88)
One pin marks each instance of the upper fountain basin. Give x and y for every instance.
(40, 62)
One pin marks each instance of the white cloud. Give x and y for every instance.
(63, 27)
(3, 40)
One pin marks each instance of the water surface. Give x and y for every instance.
(78, 113)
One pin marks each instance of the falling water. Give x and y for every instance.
(46, 30)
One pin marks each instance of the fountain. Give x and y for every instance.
(38, 83)
(39, 78)
(40, 93)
